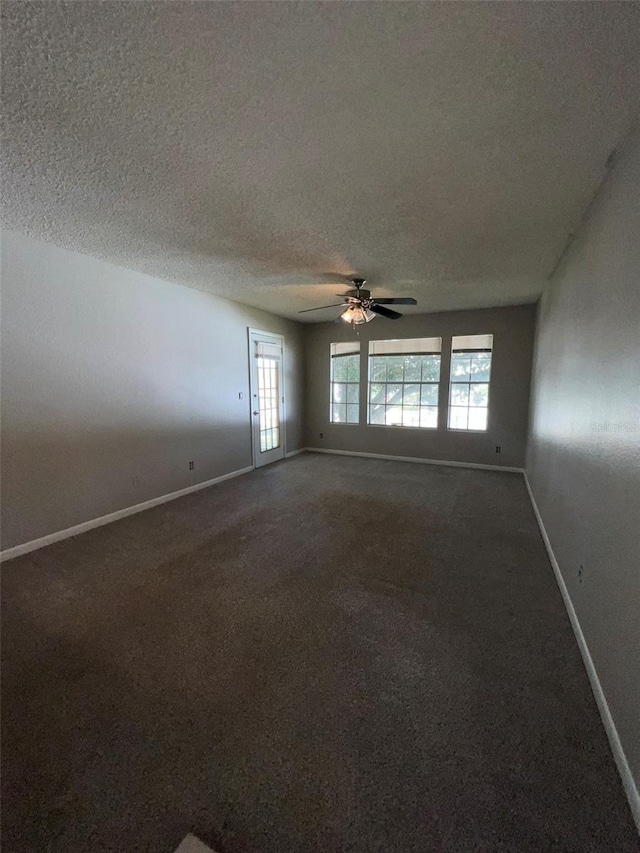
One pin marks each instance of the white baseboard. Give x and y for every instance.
(416, 459)
(622, 764)
(609, 725)
(34, 544)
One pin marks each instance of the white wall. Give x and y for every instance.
(112, 381)
(583, 459)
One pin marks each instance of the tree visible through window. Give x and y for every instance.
(404, 379)
(469, 382)
(345, 383)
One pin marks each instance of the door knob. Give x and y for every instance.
(256, 413)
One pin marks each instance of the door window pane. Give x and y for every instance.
(269, 402)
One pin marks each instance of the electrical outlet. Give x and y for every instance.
(498, 448)
(580, 573)
(321, 435)
(191, 466)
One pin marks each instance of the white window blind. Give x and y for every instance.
(345, 348)
(471, 343)
(406, 346)
(268, 350)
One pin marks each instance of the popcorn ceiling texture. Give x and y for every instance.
(257, 150)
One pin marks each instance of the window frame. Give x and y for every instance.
(332, 382)
(469, 382)
(420, 383)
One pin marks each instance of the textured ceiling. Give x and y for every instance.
(441, 150)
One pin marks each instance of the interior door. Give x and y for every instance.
(266, 353)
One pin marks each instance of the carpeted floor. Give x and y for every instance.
(328, 654)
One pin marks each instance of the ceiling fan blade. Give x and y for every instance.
(385, 312)
(322, 307)
(404, 300)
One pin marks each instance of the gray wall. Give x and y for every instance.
(110, 375)
(583, 460)
(513, 334)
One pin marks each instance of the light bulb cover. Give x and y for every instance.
(357, 315)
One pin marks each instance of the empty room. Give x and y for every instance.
(320, 451)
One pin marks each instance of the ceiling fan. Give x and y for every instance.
(361, 308)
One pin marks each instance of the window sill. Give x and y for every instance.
(399, 426)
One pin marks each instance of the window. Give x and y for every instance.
(269, 357)
(345, 383)
(469, 386)
(403, 382)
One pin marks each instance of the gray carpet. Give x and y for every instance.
(328, 654)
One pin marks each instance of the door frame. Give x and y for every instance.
(269, 337)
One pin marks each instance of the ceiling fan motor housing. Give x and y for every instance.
(358, 294)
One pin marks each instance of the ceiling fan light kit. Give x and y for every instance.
(360, 308)
(357, 315)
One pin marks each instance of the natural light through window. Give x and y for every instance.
(404, 378)
(469, 385)
(268, 384)
(268, 359)
(345, 383)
